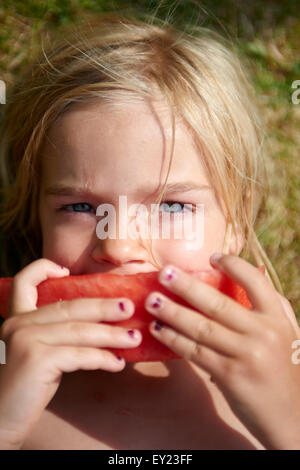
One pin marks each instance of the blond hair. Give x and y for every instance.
(119, 56)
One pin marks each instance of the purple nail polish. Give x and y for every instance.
(122, 306)
(167, 275)
(158, 325)
(131, 333)
(156, 303)
(120, 358)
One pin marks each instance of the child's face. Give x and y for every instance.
(108, 152)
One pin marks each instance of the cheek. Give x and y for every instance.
(64, 247)
(215, 229)
(191, 255)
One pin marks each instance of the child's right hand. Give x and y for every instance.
(42, 343)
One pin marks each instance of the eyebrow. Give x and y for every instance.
(180, 187)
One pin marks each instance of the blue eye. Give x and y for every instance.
(172, 207)
(78, 207)
(176, 207)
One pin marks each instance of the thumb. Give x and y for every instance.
(24, 293)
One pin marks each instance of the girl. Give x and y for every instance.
(139, 109)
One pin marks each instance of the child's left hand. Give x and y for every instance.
(247, 352)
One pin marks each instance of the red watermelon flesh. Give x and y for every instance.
(133, 286)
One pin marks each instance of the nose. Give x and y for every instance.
(119, 252)
(119, 245)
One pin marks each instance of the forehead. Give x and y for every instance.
(91, 143)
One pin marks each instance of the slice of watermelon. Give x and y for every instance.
(133, 286)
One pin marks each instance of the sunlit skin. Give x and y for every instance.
(112, 153)
(109, 152)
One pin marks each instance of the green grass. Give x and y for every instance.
(267, 36)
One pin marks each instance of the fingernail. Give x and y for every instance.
(131, 333)
(153, 301)
(157, 303)
(158, 325)
(167, 275)
(63, 267)
(216, 257)
(126, 307)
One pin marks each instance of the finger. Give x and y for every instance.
(208, 359)
(24, 293)
(70, 359)
(83, 309)
(206, 299)
(259, 290)
(84, 334)
(194, 326)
